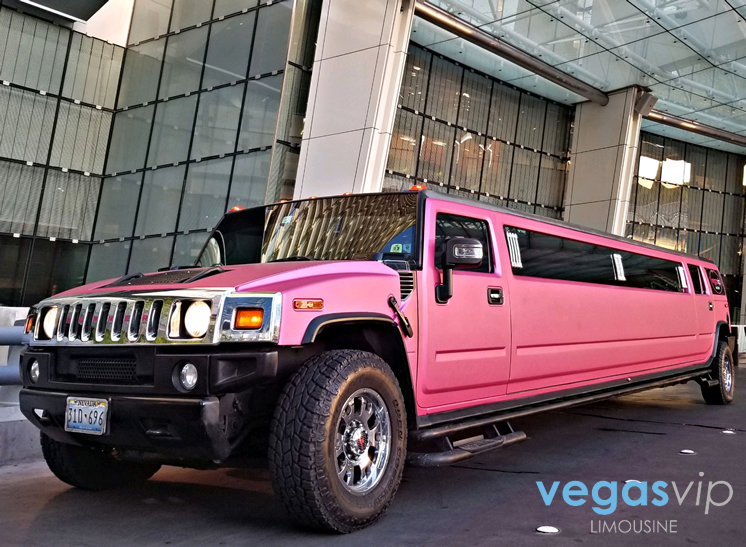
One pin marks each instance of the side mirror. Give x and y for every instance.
(457, 251)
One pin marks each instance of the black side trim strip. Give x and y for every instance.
(315, 326)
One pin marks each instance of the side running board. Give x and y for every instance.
(447, 452)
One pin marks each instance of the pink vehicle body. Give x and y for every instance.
(552, 315)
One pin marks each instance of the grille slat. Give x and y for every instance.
(406, 284)
(108, 370)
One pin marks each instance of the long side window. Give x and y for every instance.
(533, 254)
(447, 226)
(696, 274)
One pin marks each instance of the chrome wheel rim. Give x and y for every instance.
(727, 375)
(362, 441)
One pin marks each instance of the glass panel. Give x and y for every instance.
(182, 68)
(689, 242)
(475, 102)
(691, 208)
(272, 38)
(129, 141)
(709, 247)
(217, 122)
(551, 182)
(172, 131)
(646, 234)
(504, 112)
(467, 161)
(249, 181)
(531, 122)
(497, 166)
(55, 267)
(556, 130)
(149, 19)
(187, 13)
(697, 156)
(117, 208)
(436, 151)
(414, 82)
(205, 194)
(226, 7)
(716, 168)
(444, 91)
(188, 247)
(68, 206)
(729, 262)
(646, 210)
(149, 255)
(26, 120)
(108, 260)
(80, 138)
(260, 112)
(525, 175)
(736, 174)
(229, 49)
(159, 203)
(733, 215)
(142, 68)
(669, 205)
(20, 188)
(92, 72)
(12, 267)
(403, 150)
(712, 212)
(667, 238)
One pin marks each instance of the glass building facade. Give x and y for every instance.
(57, 102)
(114, 160)
(465, 133)
(700, 213)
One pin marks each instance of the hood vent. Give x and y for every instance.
(166, 278)
(406, 283)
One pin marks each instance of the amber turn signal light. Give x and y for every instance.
(248, 318)
(29, 323)
(314, 304)
(418, 187)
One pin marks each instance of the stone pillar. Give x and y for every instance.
(357, 70)
(603, 158)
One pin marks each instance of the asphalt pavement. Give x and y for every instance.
(490, 500)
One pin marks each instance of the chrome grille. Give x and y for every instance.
(406, 283)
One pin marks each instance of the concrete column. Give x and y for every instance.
(603, 159)
(358, 66)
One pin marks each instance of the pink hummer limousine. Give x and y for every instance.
(343, 336)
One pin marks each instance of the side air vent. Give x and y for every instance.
(406, 283)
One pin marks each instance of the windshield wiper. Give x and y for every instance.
(292, 258)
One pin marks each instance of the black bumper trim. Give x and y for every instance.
(177, 427)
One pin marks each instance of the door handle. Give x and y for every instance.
(495, 297)
(709, 305)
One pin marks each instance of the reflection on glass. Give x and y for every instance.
(228, 52)
(142, 67)
(172, 131)
(272, 37)
(159, 203)
(129, 140)
(185, 54)
(260, 112)
(151, 254)
(205, 194)
(217, 122)
(116, 210)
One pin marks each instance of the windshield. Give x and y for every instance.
(370, 227)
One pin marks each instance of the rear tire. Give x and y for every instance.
(338, 441)
(90, 468)
(722, 370)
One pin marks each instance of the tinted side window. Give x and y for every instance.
(553, 257)
(534, 254)
(696, 276)
(715, 282)
(457, 226)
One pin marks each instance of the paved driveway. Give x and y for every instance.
(489, 500)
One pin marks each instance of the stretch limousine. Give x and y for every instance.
(343, 336)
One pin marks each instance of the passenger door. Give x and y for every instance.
(464, 343)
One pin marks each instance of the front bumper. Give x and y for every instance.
(176, 427)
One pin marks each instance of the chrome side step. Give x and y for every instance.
(447, 452)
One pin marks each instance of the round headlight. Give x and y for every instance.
(188, 376)
(50, 321)
(197, 319)
(33, 371)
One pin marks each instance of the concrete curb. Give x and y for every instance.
(19, 440)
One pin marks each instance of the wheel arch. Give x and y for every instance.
(374, 333)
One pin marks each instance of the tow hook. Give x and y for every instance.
(403, 321)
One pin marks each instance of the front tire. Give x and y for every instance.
(90, 468)
(338, 441)
(722, 368)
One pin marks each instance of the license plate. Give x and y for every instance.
(86, 415)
